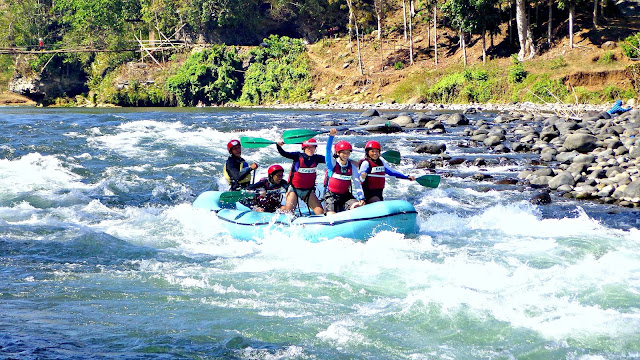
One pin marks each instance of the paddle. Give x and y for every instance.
(392, 156)
(231, 197)
(254, 142)
(431, 181)
(296, 136)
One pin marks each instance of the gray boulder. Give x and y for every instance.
(457, 119)
(580, 142)
(430, 148)
(564, 178)
(632, 192)
(370, 113)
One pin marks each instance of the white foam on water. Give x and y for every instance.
(343, 332)
(36, 173)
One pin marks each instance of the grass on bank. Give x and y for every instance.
(496, 84)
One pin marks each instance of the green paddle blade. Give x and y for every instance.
(431, 181)
(231, 197)
(392, 156)
(252, 142)
(297, 136)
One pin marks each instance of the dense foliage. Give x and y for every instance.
(210, 76)
(631, 46)
(280, 71)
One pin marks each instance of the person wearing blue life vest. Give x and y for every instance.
(302, 179)
(373, 170)
(270, 190)
(618, 109)
(342, 175)
(237, 171)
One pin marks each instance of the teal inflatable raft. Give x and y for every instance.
(358, 224)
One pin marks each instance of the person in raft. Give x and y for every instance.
(237, 171)
(373, 170)
(342, 174)
(302, 179)
(269, 199)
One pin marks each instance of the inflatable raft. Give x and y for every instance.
(358, 224)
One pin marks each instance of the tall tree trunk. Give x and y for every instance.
(378, 7)
(359, 53)
(595, 13)
(550, 23)
(510, 22)
(463, 47)
(411, 31)
(435, 34)
(572, 12)
(352, 18)
(527, 47)
(484, 46)
(404, 17)
(350, 24)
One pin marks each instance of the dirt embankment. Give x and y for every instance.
(9, 98)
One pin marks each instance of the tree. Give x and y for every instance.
(527, 46)
(460, 15)
(571, 5)
(485, 19)
(380, 7)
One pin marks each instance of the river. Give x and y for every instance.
(102, 255)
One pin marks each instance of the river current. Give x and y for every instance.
(102, 255)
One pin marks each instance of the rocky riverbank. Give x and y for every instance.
(593, 156)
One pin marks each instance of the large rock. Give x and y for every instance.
(580, 142)
(564, 178)
(431, 148)
(403, 120)
(632, 192)
(457, 119)
(370, 113)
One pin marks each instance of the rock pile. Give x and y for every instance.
(595, 156)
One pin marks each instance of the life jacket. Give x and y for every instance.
(375, 174)
(270, 202)
(244, 181)
(339, 182)
(303, 177)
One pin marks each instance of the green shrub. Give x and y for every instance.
(631, 46)
(613, 92)
(517, 73)
(280, 71)
(607, 58)
(546, 90)
(398, 65)
(558, 63)
(446, 89)
(210, 76)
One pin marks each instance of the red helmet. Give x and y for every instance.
(231, 144)
(342, 145)
(372, 145)
(310, 142)
(274, 168)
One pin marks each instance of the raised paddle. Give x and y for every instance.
(392, 156)
(431, 181)
(254, 142)
(296, 136)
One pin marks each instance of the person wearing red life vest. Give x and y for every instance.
(270, 190)
(342, 175)
(237, 171)
(302, 179)
(373, 170)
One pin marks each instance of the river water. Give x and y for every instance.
(102, 255)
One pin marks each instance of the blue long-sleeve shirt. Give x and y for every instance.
(355, 174)
(388, 171)
(617, 108)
